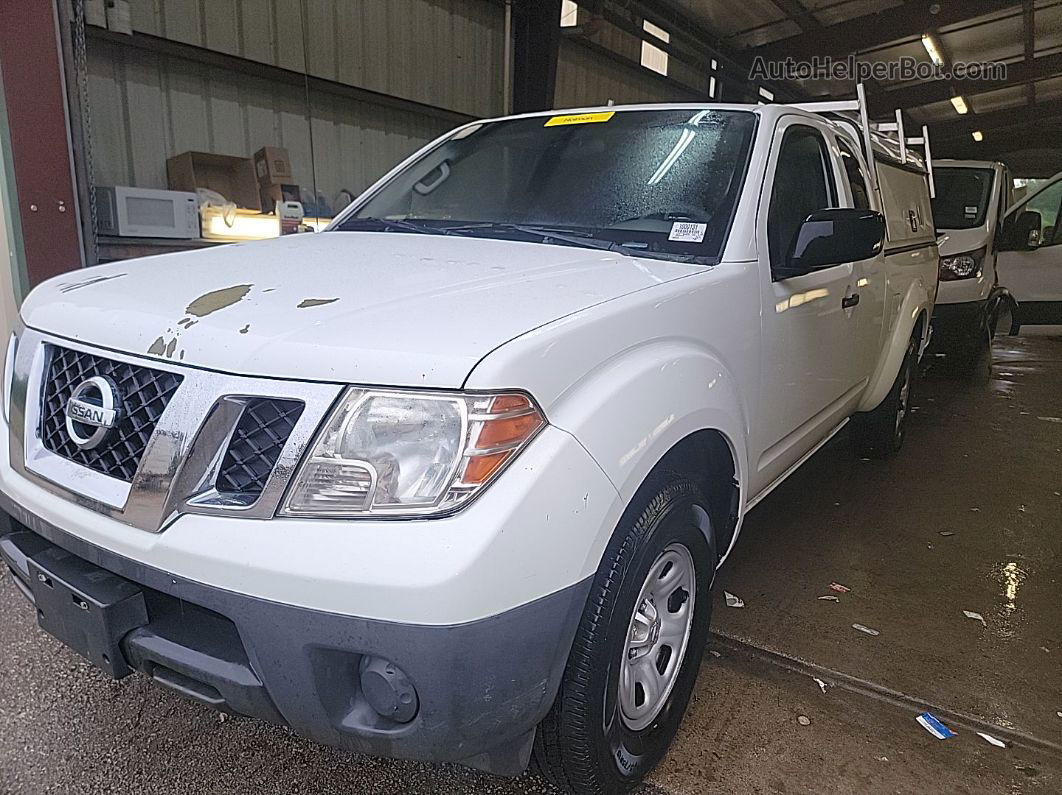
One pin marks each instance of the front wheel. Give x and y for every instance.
(638, 647)
(880, 433)
(972, 360)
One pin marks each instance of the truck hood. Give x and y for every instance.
(352, 307)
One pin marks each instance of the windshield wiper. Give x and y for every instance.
(396, 225)
(573, 237)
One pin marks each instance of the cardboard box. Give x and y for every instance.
(232, 177)
(272, 195)
(272, 166)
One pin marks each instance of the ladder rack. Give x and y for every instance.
(868, 130)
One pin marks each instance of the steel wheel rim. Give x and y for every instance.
(905, 395)
(657, 636)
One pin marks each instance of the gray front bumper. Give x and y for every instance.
(481, 687)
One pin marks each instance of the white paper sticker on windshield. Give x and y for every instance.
(685, 232)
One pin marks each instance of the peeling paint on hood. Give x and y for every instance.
(398, 309)
(67, 287)
(211, 302)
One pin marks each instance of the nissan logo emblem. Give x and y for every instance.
(91, 412)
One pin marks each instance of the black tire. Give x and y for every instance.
(880, 433)
(584, 744)
(972, 361)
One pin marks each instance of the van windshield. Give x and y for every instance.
(660, 183)
(962, 196)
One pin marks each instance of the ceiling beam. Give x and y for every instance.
(997, 144)
(912, 96)
(796, 12)
(1007, 119)
(911, 19)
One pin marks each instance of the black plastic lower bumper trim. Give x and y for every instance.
(482, 686)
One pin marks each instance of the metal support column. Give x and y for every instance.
(31, 63)
(537, 42)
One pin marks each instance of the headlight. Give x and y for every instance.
(9, 369)
(961, 266)
(394, 453)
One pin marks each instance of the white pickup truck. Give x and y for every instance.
(451, 480)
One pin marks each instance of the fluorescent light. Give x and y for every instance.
(960, 105)
(978, 136)
(934, 51)
(569, 14)
(247, 224)
(238, 226)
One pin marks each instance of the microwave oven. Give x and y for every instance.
(146, 212)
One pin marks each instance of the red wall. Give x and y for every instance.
(30, 59)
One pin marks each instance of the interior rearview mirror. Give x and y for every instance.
(832, 237)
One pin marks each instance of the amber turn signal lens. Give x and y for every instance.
(509, 422)
(481, 467)
(506, 403)
(497, 433)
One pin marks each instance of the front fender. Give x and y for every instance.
(629, 412)
(916, 304)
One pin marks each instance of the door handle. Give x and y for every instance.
(850, 300)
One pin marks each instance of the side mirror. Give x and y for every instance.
(832, 237)
(1021, 232)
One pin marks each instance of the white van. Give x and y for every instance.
(971, 197)
(1030, 255)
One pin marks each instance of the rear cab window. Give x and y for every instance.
(857, 180)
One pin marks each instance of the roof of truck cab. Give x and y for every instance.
(762, 110)
(769, 112)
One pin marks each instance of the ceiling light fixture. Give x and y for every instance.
(978, 136)
(932, 49)
(960, 105)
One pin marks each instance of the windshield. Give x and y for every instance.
(651, 183)
(962, 197)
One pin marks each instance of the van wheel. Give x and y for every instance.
(638, 646)
(880, 433)
(973, 360)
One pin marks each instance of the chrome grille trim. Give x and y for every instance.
(143, 394)
(181, 461)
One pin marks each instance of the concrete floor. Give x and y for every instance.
(966, 518)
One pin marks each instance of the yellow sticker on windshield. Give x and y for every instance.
(580, 118)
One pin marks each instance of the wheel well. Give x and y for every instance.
(706, 458)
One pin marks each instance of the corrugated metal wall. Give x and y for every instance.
(446, 53)
(147, 107)
(586, 77)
